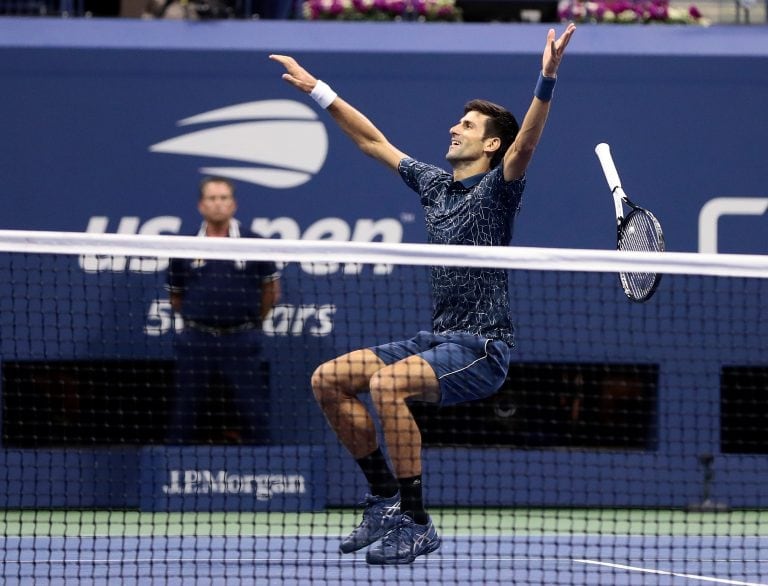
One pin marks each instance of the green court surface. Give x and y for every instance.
(452, 522)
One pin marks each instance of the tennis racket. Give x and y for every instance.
(638, 231)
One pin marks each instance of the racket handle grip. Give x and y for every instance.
(603, 152)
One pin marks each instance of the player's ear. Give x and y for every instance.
(492, 144)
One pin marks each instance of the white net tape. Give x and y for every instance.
(516, 257)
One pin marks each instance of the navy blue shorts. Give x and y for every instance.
(468, 367)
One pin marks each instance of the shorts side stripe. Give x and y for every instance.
(470, 365)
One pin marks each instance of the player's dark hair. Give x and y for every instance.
(501, 124)
(215, 179)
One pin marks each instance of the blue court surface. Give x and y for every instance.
(532, 559)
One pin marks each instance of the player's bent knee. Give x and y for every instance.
(391, 387)
(321, 381)
(327, 385)
(388, 382)
(384, 390)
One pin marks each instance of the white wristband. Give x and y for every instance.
(323, 94)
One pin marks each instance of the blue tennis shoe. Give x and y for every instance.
(404, 543)
(379, 516)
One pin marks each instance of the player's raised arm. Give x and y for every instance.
(360, 129)
(519, 154)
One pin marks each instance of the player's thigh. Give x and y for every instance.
(410, 378)
(349, 373)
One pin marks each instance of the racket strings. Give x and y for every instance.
(640, 232)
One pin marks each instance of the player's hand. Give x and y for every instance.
(295, 74)
(553, 52)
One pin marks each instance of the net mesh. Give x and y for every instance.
(627, 444)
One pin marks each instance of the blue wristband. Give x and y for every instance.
(545, 86)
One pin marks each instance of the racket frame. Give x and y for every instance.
(620, 199)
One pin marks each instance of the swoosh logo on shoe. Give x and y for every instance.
(391, 511)
(422, 539)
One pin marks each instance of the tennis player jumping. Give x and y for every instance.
(466, 355)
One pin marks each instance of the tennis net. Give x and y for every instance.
(627, 444)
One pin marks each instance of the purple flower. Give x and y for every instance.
(658, 12)
(336, 8)
(397, 7)
(625, 11)
(599, 11)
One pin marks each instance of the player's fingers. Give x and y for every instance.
(562, 43)
(284, 59)
(289, 63)
(566, 36)
(549, 47)
(293, 80)
(300, 84)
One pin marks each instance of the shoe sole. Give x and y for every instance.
(359, 546)
(403, 561)
(354, 548)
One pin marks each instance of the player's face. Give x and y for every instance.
(217, 204)
(467, 143)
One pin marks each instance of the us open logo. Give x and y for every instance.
(283, 140)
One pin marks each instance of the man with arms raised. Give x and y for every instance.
(466, 355)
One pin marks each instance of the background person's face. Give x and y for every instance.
(217, 204)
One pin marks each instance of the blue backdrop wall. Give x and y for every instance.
(109, 125)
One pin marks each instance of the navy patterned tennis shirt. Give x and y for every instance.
(479, 210)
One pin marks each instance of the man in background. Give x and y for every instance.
(223, 304)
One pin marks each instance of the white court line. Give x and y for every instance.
(266, 560)
(352, 559)
(667, 573)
